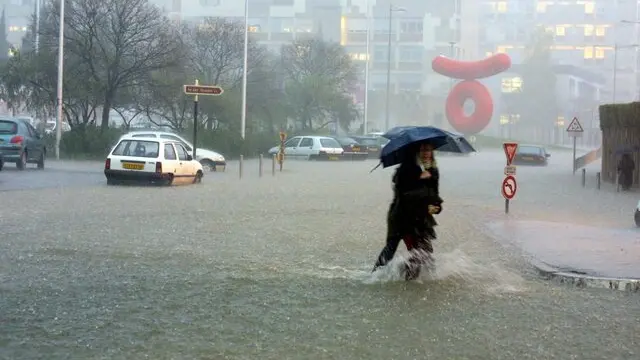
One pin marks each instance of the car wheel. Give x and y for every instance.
(207, 165)
(41, 161)
(1, 165)
(111, 182)
(198, 178)
(22, 163)
(168, 181)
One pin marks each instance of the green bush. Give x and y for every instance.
(84, 142)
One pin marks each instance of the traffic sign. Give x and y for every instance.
(202, 90)
(509, 187)
(510, 170)
(510, 151)
(575, 128)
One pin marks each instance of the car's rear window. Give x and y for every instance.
(369, 142)
(531, 150)
(330, 143)
(137, 148)
(8, 127)
(346, 141)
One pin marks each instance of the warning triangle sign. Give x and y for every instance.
(510, 151)
(574, 126)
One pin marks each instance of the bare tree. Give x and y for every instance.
(119, 42)
(318, 79)
(216, 56)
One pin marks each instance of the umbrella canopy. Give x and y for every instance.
(404, 140)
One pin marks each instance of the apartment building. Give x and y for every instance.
(17, 19)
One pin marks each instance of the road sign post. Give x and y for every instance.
(196, 90)
(575, 130)
(509, 183)
(508, 189)
(283, 138)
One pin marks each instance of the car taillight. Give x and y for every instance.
(18, 139)
(158, 167)
(107, 164)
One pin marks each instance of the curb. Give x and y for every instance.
(586, 281)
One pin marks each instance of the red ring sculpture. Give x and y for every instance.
(469, 88)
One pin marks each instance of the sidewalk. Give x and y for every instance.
(582, 255)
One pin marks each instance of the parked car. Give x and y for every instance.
(531, 155)
(372, 145)
(210, 160)
(352, 149)
(21, 143)
(310, 148)
(152, 160)
(50, 127)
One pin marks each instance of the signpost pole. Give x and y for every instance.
(195, 123)
(506, 206)
(574, 155)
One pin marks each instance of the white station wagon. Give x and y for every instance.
(153, 160)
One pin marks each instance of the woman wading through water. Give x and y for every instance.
(410, 217)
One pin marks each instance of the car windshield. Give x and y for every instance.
(8, 127)
(137, 148)
(50, 126)
(529, 150)
(329, 143)
(369, 142)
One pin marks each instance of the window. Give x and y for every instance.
(358, 56)
(599, 53)
(600, 31)
(169, 152)
(588, 30)
(182, 153)
(589, 7)
(411, 27)
(143, 135)
(588, 53)
(504, 119)
(137, 148)
(512, 84)
(330, 143)
(306, 142)
(8, 128)
(209, 2)
(411, 53)
(541, 7)
(529, 150)
(488, 54)
(175, 138)
(560, 30)
(293, 142)
(501, 6)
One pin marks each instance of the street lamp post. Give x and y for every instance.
(392, 9)
(243, 116)
(452, 54)
(365, 122)
(60, 78)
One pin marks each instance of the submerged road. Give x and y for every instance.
(278, 267)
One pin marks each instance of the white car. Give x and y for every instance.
(310, 148)
(153, 160)
(210, 160)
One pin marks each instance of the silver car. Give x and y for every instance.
(310, 148)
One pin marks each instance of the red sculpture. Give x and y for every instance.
(469, 88)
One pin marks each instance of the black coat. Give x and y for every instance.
(408, 213)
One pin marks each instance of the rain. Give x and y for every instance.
(271, 255)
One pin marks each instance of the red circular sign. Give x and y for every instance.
(509, 187)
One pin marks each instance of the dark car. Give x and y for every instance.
(21, 143)
(531, 155)
(372, 145)
(1, 161)
(352, 149)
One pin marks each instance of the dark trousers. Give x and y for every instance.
(421, 251)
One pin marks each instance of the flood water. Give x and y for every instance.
(279, 268)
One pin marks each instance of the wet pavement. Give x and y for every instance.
(278, 267)
(592, 251)
(57, 174)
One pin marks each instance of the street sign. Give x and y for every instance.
(575, 128)
(510, 151)
(510, 170)
(509, 187)
(202, 90)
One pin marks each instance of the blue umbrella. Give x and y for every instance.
(403, 140)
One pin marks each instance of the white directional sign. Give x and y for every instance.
(510, 170)
(575, 128)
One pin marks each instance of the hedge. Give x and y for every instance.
(620, 115)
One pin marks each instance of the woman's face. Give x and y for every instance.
(426, 152)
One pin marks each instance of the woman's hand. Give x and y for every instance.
(433, 209)
(425, 175)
